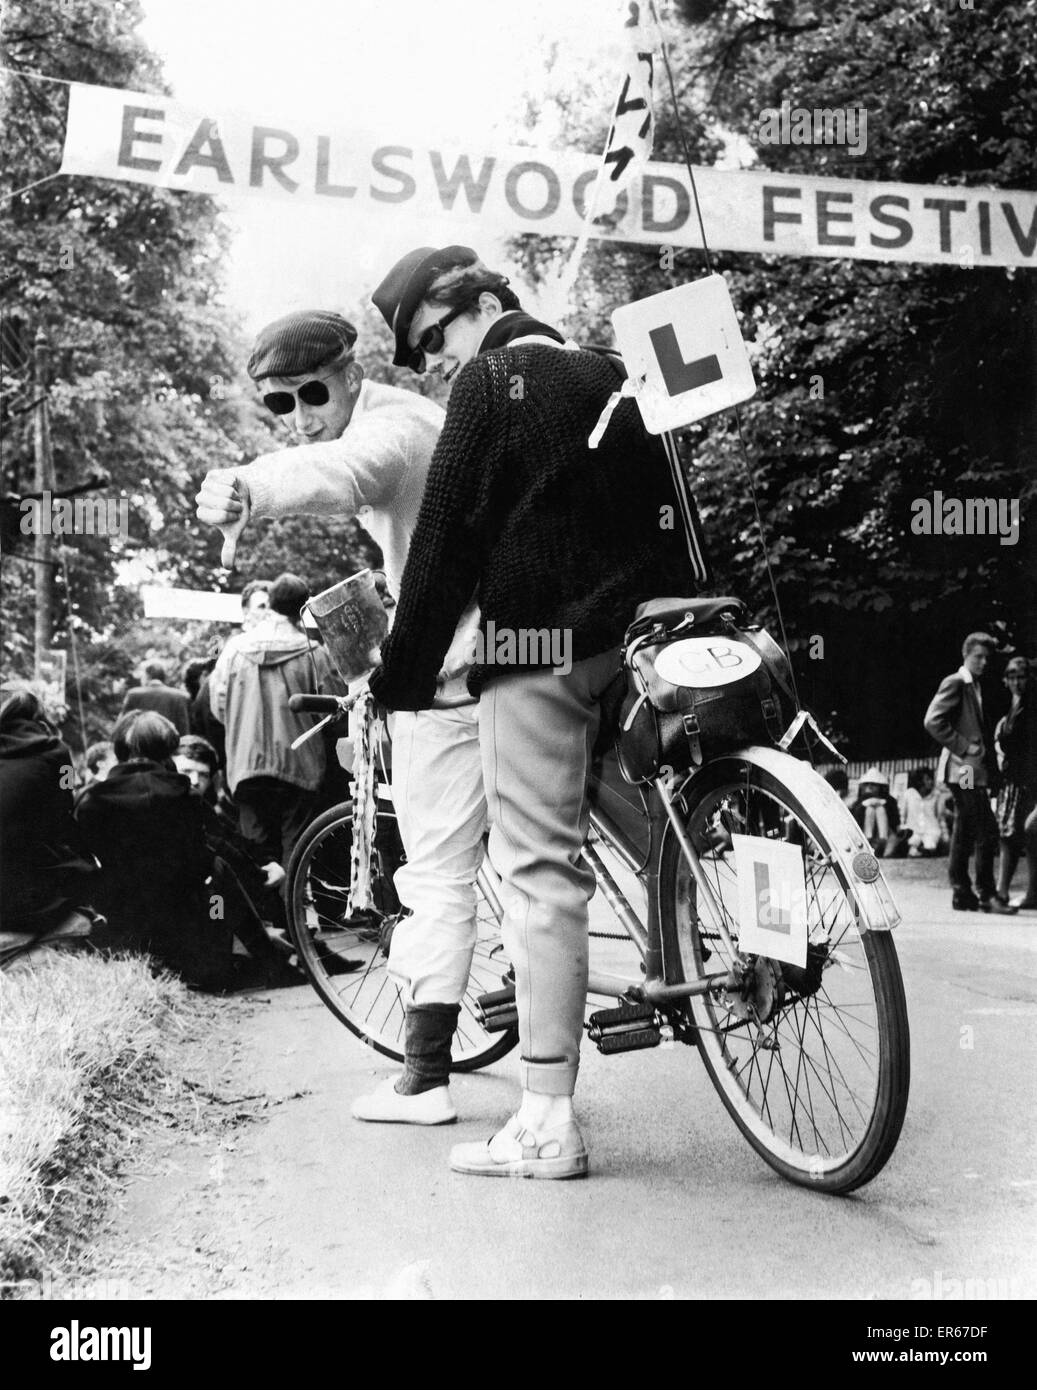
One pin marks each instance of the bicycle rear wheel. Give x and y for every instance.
(367, 1000)
(817, 1077)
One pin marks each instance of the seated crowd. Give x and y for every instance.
(145, 848)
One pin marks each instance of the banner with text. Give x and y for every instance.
(151, 139)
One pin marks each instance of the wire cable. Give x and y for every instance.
(737, 413)
(683, 137)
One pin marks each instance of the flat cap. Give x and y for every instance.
(299, 343)
(398, 296)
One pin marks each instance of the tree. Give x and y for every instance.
(879, 384)
(125, 281)
(147, 387)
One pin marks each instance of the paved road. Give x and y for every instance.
(313, 1204)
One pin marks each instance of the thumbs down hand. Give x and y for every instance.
(223, 501)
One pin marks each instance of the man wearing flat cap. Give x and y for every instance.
(558, 537)
(367, 455)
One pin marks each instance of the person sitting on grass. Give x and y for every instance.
(163, 890)
(44, 872)
(925, 835)
(196, 759)
(253, 886)
(878, 815)
(146, 832)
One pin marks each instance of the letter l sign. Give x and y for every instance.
(684, 353)
(679, 375)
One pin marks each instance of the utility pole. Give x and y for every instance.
(43, 550)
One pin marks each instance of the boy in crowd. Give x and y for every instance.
(958, 719)
(273, 785)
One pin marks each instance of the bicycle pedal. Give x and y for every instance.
(632, 1041)
(497, 1010)
(626, 1029)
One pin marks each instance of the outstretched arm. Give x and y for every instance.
(365, 467)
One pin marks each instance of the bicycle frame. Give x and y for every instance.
(661, 983)
(663, 980)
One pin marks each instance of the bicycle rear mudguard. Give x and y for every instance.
(877, 910)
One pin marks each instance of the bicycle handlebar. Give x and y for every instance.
(333, 704)
(313, 704)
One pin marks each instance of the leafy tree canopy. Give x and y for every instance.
(878, 383)
(147, 388)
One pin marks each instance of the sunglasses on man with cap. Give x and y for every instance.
(310, 393)
(434, 338)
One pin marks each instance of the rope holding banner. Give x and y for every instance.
(735, 410)
(367, 739)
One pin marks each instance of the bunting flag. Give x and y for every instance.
(629, 144)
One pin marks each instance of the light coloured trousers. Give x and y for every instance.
(537, 731)
(437, 790)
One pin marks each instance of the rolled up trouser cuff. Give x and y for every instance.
(548, 1078)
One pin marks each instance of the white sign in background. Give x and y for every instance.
(198, 605)
(143, 138)
(687, 345)
(772, 898)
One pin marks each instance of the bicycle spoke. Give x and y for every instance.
(815, 1093)
(368, 1000)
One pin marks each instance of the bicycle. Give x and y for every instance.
(317, 892)
(812, 1062)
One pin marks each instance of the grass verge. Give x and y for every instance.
(87, 1046)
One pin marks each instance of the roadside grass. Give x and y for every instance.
(88, 1049)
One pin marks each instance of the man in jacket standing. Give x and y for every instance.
(367, 453)
(164, 699)
(258, 671)
(956, 719)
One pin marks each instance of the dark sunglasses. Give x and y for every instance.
(310, 393)
(433, 338)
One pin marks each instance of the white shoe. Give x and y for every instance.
(516, 1152)
(385, 1105)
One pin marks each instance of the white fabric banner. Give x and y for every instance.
(151, 139)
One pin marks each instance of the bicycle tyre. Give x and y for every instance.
(368, 1001)
(838, 1150)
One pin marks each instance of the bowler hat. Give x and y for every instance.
(299, 342)
(398, 296)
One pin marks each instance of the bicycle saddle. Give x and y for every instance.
(670, 611)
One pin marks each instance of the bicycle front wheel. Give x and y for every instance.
(365, 997)
(812, 1064)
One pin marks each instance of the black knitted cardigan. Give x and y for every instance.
(554, 534)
